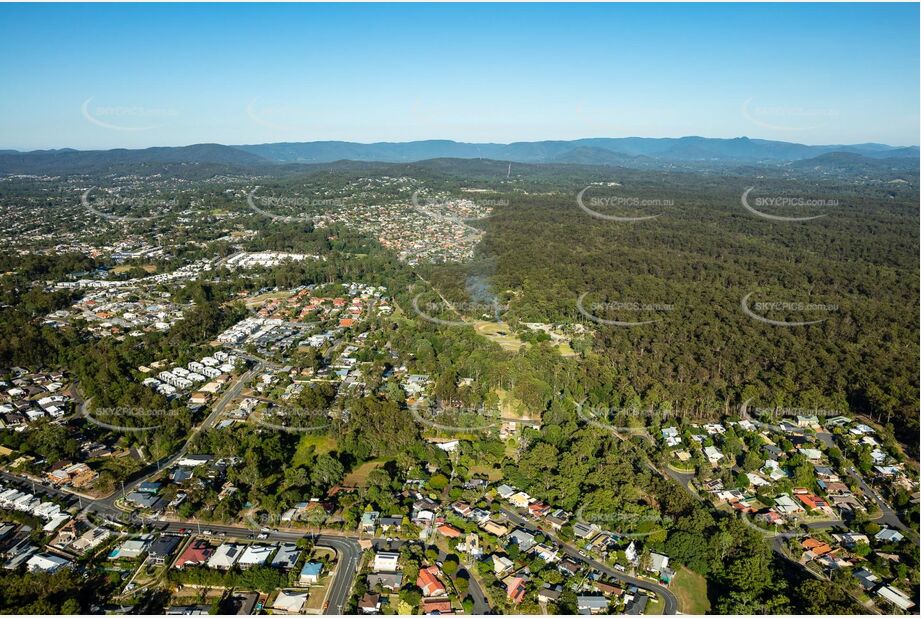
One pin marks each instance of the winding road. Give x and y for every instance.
(668, 597)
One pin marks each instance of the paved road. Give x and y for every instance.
(671, 601)
(480, 604)
(346, 547)
(888, 515)
(155, 467)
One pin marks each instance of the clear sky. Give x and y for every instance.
(105, 76)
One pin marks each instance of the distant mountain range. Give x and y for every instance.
(594, 151)
(633, 152)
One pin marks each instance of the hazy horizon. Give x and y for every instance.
(435, 139)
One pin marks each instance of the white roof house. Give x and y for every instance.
(630, 553)
(889, 535)
(501, 564)
(289, 601)
(657, 562)
(671, 437)
(786, 505)
(896, 597)
(226, 556)
(386, 561)
(255, 555)
(520, 499)
(48, 563)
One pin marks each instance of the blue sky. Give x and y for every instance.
(105, 76)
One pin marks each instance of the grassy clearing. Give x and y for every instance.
(566, 350)
(655, 608)
(123, 268)
(359, 476)
(500, 333)
(255, 301)
(691, 590)
(488, 471)
(510, 407)
(321, 444)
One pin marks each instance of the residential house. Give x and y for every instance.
(592, 604)
(501, 564)
(131, 549)
(387, 581)
(226, 556)
(785, 505)
(386, 561)
(713, 455)
(429, 583)
(494, 528)
(287, 556)
(370, 603)
(896, 597)
(440, 607)
(310, 573)
(197, 553)
(514, 589)
(46, 563)
(449, 531)
(657, 562)
(369, 521)
(520, 500)
(162, 548)
(538, 509)
(523, 539)
(289, 602)
(549, 594)
(889, 535)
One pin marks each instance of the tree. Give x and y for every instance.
(438, 482)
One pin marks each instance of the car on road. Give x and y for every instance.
(262, 536)
(207, 532)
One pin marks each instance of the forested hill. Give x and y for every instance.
(692, 153)
(852, 270)
(596, 151)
